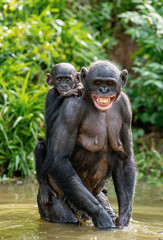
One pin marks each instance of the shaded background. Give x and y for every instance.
(35, 35)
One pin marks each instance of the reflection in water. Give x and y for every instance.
(19, 218)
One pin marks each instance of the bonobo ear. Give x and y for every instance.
(49, 80)
(123, 76)
(83, 74)
(77, 78)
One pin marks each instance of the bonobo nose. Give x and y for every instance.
(104, 89)
(64, 85)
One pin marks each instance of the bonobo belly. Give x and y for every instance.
(90, 156)
(92, 167)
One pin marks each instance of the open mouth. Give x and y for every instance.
(103, 103)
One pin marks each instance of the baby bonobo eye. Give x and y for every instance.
(97, 83)
(68, 79)
(58, 79)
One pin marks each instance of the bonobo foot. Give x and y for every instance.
(45, 194)
(58, 211)
(103, 220)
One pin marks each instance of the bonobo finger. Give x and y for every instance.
(46, 200)
(71, 93)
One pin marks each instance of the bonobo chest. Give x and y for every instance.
(92, 134)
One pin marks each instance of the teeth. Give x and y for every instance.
(103, 101)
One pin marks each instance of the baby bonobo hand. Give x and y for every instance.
(77, 91)
(72, 92)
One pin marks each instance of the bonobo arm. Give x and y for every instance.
(51, 98)
(52, 104)
(124, 171)
(60, 147)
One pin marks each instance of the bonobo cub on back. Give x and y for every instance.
(97, 144)
(65, 81)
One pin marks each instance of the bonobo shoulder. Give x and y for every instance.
(50, 93)
(72, 110)
(125, 106)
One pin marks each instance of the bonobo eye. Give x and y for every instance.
(68, 79)
(58, 79)
(110, 83)
(97, 83)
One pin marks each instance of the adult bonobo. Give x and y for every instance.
(91, 140)
(65, 81)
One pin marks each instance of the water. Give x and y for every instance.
(19, 218)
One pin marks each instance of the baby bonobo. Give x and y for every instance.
(65, 81)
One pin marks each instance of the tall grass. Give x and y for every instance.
(21, 124)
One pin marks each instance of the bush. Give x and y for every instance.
(149, 160)
(20, 124)
(145, 27)
(34, 37)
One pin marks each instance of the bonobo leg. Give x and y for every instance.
(45, 189)
(58, 211)
(103, 200)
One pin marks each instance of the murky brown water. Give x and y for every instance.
(19, 217)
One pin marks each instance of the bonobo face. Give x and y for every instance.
(63, 80)
(103, 88)
(103, 83)
(63, 77)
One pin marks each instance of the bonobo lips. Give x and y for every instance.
(62, 92)
(103, 103)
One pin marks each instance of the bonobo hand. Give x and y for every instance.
(80, 90)
(103, 220)
(45, 194)
(72, 92)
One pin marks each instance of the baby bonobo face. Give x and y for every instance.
(63, 77)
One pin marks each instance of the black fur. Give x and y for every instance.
(90, 140)
(63, 77)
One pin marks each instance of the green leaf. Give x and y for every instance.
(159, 84)
(17, 121)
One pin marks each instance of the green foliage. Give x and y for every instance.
(34, 35)
(20, 124)
(98, 17)
(145, 27)
(149, 160)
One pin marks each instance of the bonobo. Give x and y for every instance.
(63, 77)
(90, 141)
